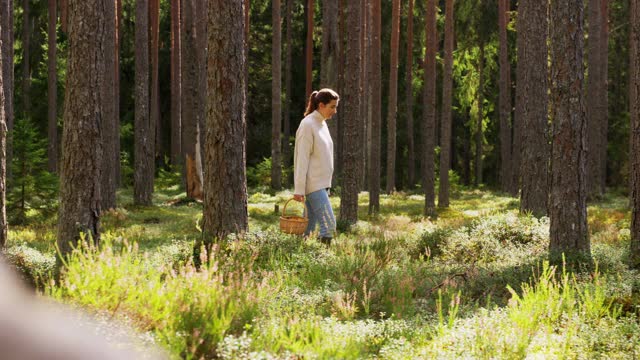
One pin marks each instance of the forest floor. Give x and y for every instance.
(473, 283)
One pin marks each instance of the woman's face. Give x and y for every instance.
(328, 110)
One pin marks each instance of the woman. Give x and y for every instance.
(313, 163)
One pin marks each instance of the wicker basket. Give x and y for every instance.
(293, 224)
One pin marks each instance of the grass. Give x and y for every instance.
(472, 283)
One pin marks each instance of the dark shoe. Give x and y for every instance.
(326, 240)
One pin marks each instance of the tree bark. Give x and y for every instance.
(225, 202)
(568, 208)
(411, 151)
(81, 165)
(505, 96)
(604, 100)
(329, 69)
(351, 115)
(375, 82)
(26, 56)
(276, 101)
(117, 89)
(309, 49)
(52, 147)
(479, 137)
(429, 112)
(111, 122)
(154, 100)
(634, 102)
(6, 35)
(176, 87)
(535, 150)
(143, 127)
(3, 137)
(286, 148)
(393, 97)
(445, 129)
(596, 91)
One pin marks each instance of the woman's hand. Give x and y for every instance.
(297, 197)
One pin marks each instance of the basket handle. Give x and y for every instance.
(306, 212)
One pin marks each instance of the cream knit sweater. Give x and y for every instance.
(313, 155)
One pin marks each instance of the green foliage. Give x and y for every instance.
(260, 174)
(34, 267)
(33, 190)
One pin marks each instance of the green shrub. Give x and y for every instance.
(34, 267)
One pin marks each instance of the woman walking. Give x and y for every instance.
(313, 163)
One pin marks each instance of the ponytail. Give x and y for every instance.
(324, 96)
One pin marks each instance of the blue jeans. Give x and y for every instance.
(320, 213)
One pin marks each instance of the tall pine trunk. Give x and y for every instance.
(535, 151)
(52, 147)
(176, 93)
(6, 35)
(80, 170)
(276, 101)
(604, 100)
(479, 138)
(117, 88)
(225, 202)
(286, 148)
(568, 208)
(375, 82)
(634, 104)
(154, 100)
(504, 84)
(143, 127)
(393, 97)
(411, 150)
(329, 69)
(445, 124)
(352, 155)
(429, 109)
(3, 142)
(26, 58)
(309, 50)
(596, 91)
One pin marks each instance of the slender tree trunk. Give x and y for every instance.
(201, 25)
(535, 150)
(26, 58)
(429, 112)
(351, 115)
(190, 96)
(225, 203)
(568, 208)
(143, 127)
(3, 136)
(411, 151)
(52, 148)
(393, 97)
(276, 98)
(634, 103)
(375, 82)
(445, 132)
(596, 92)
(117, 89)
(176, 93)
(479, 137)
(364, 101)
(64, 10)
(505, 96)
(309, 49)
(604, 100)
(111, 128)
(286, 148)
(6, 35)
(154, 100)
(329, 68)
(81, 165)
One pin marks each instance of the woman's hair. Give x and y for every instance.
(324, 96)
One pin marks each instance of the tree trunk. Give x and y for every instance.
(80, 171)
(64, 10)
(26, 52)
(201, 29)
(445, 132)
(568, 208)
(143, 127)
(286, 148)
(6, 35)
(154, 100)
(596, 92)
(276, 98)
(393, 98)
(225, 203)
(375, 82)
(535, 150)
(111, 126)
(604, 100)
(117, 89)
(411, 151)
(309, 50)
(479, 137)
(351, 116)
(505, 96)
(52, 148)
(176, 93)
(634, 102)
(329, 69)
(429, 112)
(3, 137)
(190, 96)
(364, 101)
